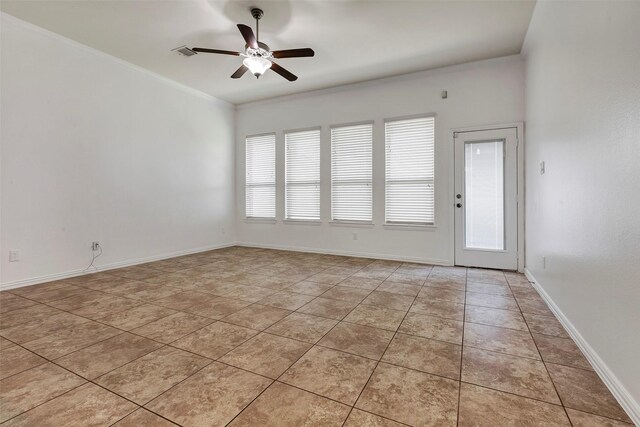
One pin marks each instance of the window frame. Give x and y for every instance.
(266, 219)
(318, 219)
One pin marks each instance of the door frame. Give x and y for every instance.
(519, 127)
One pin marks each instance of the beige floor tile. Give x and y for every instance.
(309, 288)
(483, 407)
(15, 359)
(485, 288)
(518, 375)
(87, 405)
(48, 292)
(562, 351)
(170, 328)
(333, 374)
(136, 316)
(215, 340)
(432, 327)
(10, 302)
(345, 293)
(39, 328)
(495, 317)
(286, 300)
(217, 307)
(28, 315)
(329, 308)
(147, 377)
(285, 406)
(250, 293)
(100, 358)
(446, 310)
(66, 340)
(410, 279)
(257, 316)
(442, 294)
(143, 418)
(359, 418)
(501, 340)
(446, 282)
(389, 300)
(361, 282)
(212, 397)
(266, 354)
(410, 397)
(399, 288)
(23, 391)
(545, 325)
(303, 327)
(100, 307)
(329, 279)
(361, 340)
(534, 306)
(583, 390)
(378, 317)
(503, 302)
(582, 419)
(184, 300)
(422, 354)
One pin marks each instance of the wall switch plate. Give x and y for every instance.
(14, 256)
(544, 262)
(355, 236)
(542, 168)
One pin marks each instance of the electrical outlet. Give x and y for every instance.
(542, 168)
(14, 256)
(355, 236)
(544, 262)
(95, 246)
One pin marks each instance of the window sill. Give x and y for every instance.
(260, 220)
(360, 224)
(411, 227)
(302, 221)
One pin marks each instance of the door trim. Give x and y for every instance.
(519, 127)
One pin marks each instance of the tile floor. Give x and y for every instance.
(252, 337)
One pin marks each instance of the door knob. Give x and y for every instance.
(458, 205)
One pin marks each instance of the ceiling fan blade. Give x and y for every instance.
(239, 72)
(223, 52)
(248, 35)
(293, 53)
(284, 73)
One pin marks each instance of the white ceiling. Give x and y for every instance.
(354, 40)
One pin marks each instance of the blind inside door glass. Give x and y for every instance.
(260, 190)
(351, 173)
(409, 172)
(484, 195)
(302, 175)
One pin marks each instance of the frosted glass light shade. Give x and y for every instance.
(257, 65)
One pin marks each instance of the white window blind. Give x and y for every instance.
(409, 180)
(261, 176)
(351, 173)
(302, 175)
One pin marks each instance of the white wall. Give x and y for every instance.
(480, 93)
(95, 149)
(583, 214)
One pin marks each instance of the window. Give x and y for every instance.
(351, 173)
(261, 176)
(302, 175)
(409, 180)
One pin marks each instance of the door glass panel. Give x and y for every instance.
(484, 195)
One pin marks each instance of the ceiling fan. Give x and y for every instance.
(258, 58)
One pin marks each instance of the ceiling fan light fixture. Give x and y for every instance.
(257, 65)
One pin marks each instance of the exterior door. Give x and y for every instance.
(486, 198)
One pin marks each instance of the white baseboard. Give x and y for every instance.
(612, 382)
(348, 253)
(58, 276)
